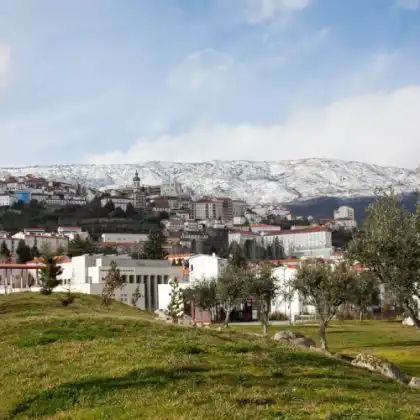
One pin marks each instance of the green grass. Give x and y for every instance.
(86, 362)
(397, 343)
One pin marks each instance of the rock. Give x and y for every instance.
(408, 321)
(382, 366)
(219, 329)
(161, 314)
(304, 342)
(287, 335)
(414, 382)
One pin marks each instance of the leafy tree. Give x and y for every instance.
(136, 296)
(262, 286)
(113, 281)
(389, 246)
(176, 304)
(23, 252)
(202, 294)
(48, 275)
(118, 213)
(4, 252)
(236, 256)
(365, 292)
(60, 251)
(153, 247)
(326, 287)
(231, 289)
(78, 246)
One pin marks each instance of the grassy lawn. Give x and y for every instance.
(397, 343)
(86, 362)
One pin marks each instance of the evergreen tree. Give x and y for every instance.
(23, 252)
(277, 249)
(109, 206)
(236, 256)
(4, 252)
(130, 211)
(48, 275)
(176, 304)
(113, 281)
(78, 246)
(35, 252)
(153, 248)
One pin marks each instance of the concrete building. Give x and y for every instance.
(208, 209)
(344, 218)
(239, 208)
(124, 237)
(7, 200)
(171, 188)
(227, 208)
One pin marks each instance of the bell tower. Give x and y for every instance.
(136, 181)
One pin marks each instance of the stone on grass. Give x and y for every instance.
(219, 329)
(304, 342)
(414, 382)
(382, 366)
(408, 321)
(287, 335)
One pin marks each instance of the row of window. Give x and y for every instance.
(144, 279)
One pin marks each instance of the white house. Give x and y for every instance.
(290, 303)
(205, 267)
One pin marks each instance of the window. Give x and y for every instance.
(124, 277)
(146, 292)
(159, 279)
(131, 278)
(138, 279)
(165, 279)
(152, 293)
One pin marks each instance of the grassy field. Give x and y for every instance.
(86, 362)
(399, 344)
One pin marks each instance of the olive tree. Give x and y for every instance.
(389, 246)
(326, 287)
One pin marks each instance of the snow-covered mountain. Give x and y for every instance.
(276, 181)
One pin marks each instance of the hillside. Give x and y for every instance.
(263, 182)
(84, 362)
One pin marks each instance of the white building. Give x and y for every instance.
(344, 212)
(205, 267)
(290, 302)
(258, 228)
(72, 231)
(127, 238)
(120, 202)
(171, 188)
(7, 200)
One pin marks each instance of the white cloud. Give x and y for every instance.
(408, 4)
(267, 10)
(5, 63)
(205, 70)
(381, 127)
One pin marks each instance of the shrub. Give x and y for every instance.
(278, 316)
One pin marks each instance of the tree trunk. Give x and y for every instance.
(264, 327)
(228, 310)
(413, 316)
(323, 334)
(360, 315)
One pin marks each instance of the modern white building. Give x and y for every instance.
(344, 212)
(239, 208)
(7, 200)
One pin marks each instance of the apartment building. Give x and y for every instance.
(208, 209)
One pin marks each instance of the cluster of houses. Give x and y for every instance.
(25, 188)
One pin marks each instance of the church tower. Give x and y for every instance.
(136, 181)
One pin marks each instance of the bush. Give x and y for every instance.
(278, 316)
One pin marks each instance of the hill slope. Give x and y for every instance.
(105, 364)
(276, 181)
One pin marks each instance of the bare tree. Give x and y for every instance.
(326, 287)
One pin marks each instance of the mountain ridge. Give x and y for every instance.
(273, 181)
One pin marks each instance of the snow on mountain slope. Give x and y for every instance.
(280, 181)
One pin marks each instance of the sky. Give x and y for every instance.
(126, 81)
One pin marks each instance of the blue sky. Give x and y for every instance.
(114, 81)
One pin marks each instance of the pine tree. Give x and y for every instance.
(4, 252)
(176, 304)
(48, 275)
(113, 281)
(236, 256)
(35, 252)
(23, 252)
(153, 248)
